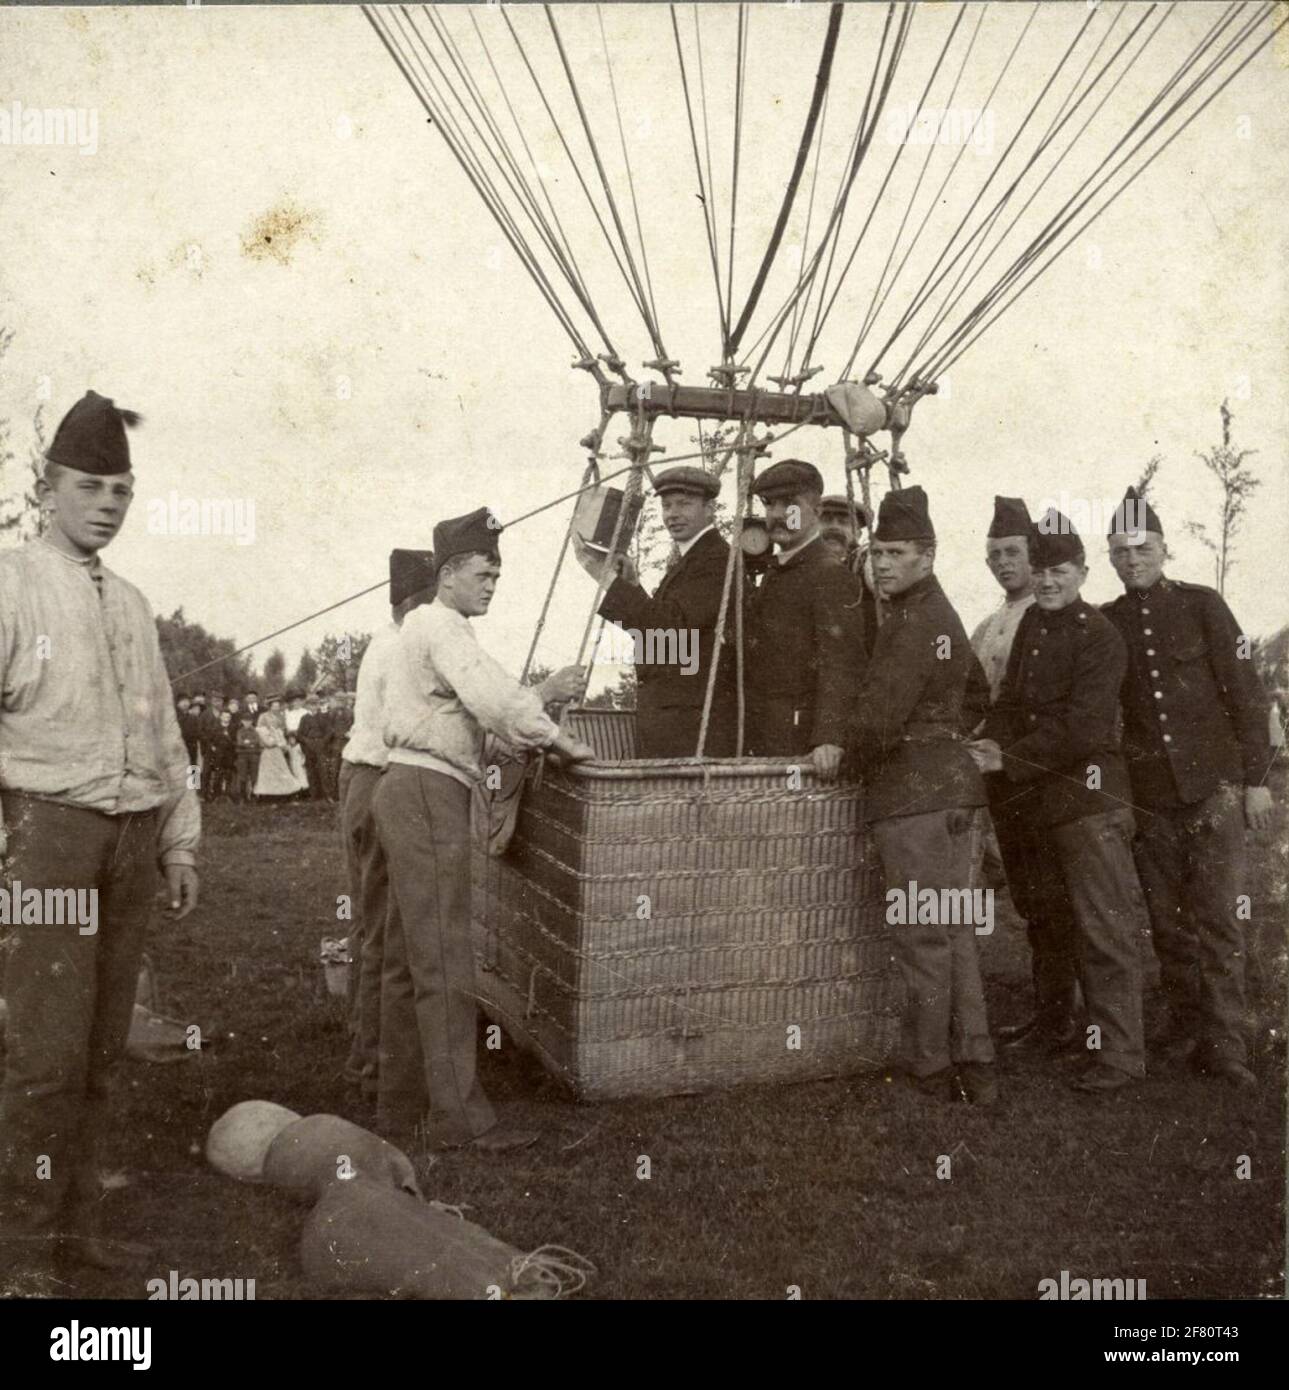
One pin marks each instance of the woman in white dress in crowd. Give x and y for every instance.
(275, 778)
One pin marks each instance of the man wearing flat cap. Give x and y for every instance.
(411, 584)
(1055, 726)
(1195, 737)
(678, 621)
(842, 522)
(921, 695)
(97, 795)
(805, 629)
(442, 694)
(1038, 894)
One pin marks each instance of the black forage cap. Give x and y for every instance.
(409, 572)
(91, 437)
(904, 516)
(461, 534)
(1055, 541)
(1134, 516)
(1011, 518)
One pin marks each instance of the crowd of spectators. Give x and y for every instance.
(287, 748)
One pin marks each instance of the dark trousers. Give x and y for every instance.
(671, 731)
(247, 765)
(314, 766)
(428, 998)
(1038, 894)
(944, 1011)
(70, 999)
(1095, 854)
(369, 895)
(331, 772)
(1192, 863)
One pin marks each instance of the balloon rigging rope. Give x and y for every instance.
(705, 193)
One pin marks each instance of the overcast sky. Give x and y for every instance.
(273, 257)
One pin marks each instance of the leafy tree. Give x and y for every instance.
(1152, 467)
(1226, 463)
(621, 695)
(20, 515)
(274, 674)
(198, 660)
(306, 673)
(338, 659)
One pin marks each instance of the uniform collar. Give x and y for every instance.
(1070, 613)
(916, 592)
(1160, 586)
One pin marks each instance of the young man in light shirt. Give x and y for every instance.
(97, 794)
(442, 694)
(411, 584)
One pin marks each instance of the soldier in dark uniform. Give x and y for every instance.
(208, 737)
(842, 522)
(1195, 736)
(1056, 725)
(314, 733)
(921, 695)
(1015, 808)
(805, 639)
(190, 727)
(678, 621)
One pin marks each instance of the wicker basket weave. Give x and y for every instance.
(659, 927)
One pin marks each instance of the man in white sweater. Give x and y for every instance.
(442, 694)
(98, 796)
(411, 585)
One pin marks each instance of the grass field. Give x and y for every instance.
(830, 1186)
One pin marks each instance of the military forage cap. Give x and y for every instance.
(461, 534)
(686, 478)
(91, 437)
(1133, 517)
(1011, 518)
(903, 516)
(409, 572)
(1055, 542)
(788, 477)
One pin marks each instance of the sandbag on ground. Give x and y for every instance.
(320, 1149)
(239, 1140)
(363, 1236)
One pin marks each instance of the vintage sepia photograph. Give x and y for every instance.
(644, 656)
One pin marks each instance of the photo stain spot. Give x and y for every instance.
(277, 233)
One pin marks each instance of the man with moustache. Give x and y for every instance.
(1037, 893)
(443, 692)
(1055, 725)
(1195, 721)
(95, 794)
(920, 697)
(669, 698)
(805, 636)
(842, 522)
